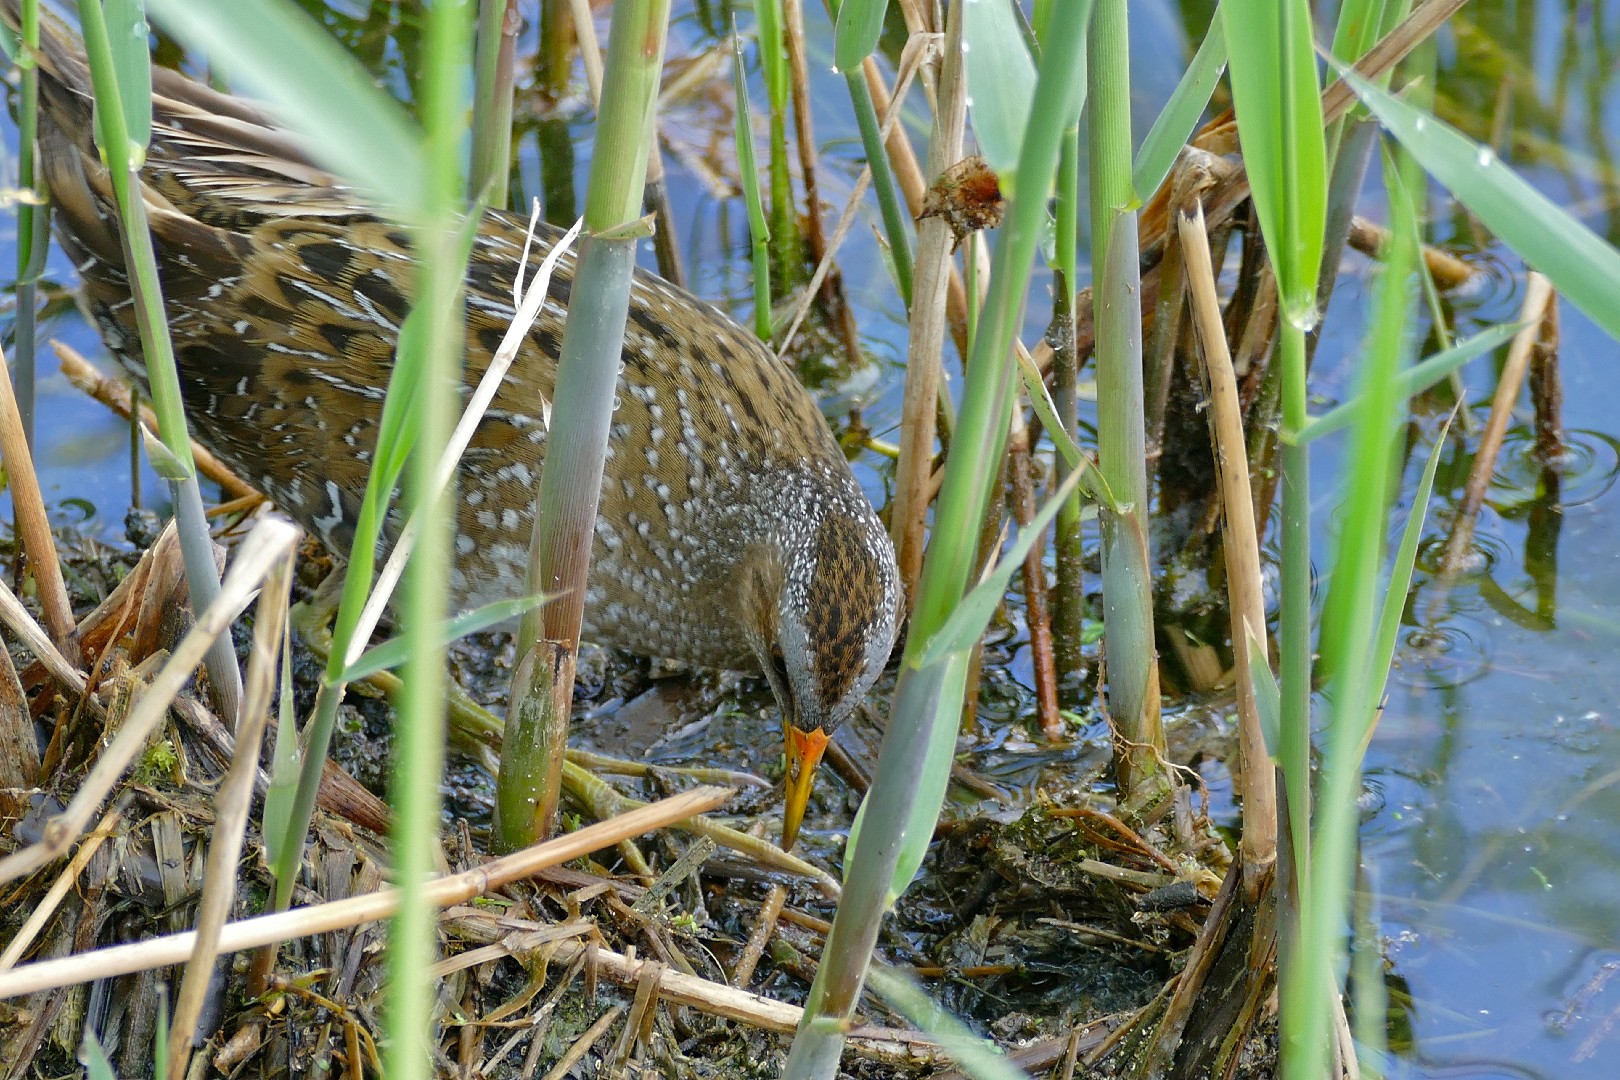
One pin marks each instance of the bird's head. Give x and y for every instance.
(820, 608)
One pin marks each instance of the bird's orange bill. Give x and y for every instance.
(804, 750)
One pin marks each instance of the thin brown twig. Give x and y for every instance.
(33, 524)
(46, 905)
(116, 395)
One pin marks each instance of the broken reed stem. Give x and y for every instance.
(234, 801)
(583, 1044)
(1242, 544)
(17, 619)
(66, 880)
(33, 524)
(355, 911)
(1538, 298)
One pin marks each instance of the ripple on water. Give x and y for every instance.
(1584, 472)
(1486, 551)
(1445, 656)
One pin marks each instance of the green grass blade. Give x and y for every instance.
(1001, 83)
(132, 66)
(1279, 111)
(282, 55)
(1584, 269)
(284, 763)
(1180, 116)
(1267, 694)
(759, 232)
(1400, 576)
(1412, 381)
(392, 653)
(975, 1056)
(965, 624)
(94, 1058)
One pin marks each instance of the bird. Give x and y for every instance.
(731, 531)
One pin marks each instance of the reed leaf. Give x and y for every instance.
(1000, 82)
(1581, 265)
(1179, 118)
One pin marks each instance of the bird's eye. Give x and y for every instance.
(778, 663)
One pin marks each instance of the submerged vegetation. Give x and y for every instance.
(1174, 539)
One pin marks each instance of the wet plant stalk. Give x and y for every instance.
(773, 63)
(554, 63)
(542, 686)
(928, 695)
(1133, 674)
(120, 147)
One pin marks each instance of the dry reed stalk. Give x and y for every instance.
(1242, 544)
(354, 911)
(17, 619)
(925, 351)
(583, 1044)
(66, 880)
(1538, 298)
(759, 937)
(638, 1025)
(33, 524)
(1448, 271)
(234, 801)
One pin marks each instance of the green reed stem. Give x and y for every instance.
(536, 739)
(124, 157)
(888, 194)
(1133, 675)
(498, 23)
(759, 232)
(786, 244)
(419, 761)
